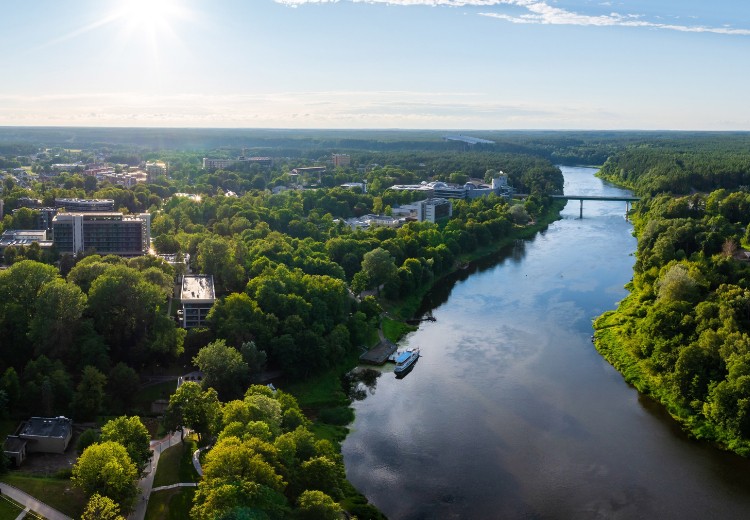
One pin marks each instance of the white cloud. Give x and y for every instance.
(543, 13)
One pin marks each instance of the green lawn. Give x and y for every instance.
(171, 504)
(9, 510)
(57, 493)
(323, 390)
(151, 393)
(176, 465)
(395, 330)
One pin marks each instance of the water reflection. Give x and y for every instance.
(360, 382)
(513, 414)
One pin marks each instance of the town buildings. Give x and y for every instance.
(218, 164)
(469, 190)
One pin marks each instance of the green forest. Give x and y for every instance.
(300, 294)
(682, 334)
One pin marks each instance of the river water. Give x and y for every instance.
(511, 413)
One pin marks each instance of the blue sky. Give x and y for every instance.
(432, 64)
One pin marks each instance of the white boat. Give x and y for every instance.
(405, 361)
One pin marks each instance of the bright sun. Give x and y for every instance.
(149, 22)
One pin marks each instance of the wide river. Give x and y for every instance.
(511, 413)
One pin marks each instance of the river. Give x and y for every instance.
(511, 413)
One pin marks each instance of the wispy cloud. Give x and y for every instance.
(537, 12)
(542, 12)
(334, 109)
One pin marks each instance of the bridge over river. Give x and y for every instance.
(626, 200)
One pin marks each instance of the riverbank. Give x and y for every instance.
(615, 344)
(323, 397)
(406, 308)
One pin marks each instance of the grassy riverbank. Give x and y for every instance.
(614, 341)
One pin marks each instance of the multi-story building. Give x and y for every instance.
(470, 190)
(107, 233)
(428, 210)
(155, 170)
(341, 159)
(85, 205)
(216, 164)
(197, 296)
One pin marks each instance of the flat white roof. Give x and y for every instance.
(197, 289)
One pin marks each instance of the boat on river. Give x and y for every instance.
(405, 361)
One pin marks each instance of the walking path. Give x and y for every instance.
(146, 484)
(32, 503)
(174, 486)
(197, 460)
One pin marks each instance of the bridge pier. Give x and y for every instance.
(581, 213)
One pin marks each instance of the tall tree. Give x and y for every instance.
(223, 369)
(193, 408)
(90, 394)
(133, 435)
(101, 508)
(379, 267)
(105, 468)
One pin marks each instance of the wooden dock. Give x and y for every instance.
(378, 354)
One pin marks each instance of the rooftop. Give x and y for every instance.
(197, 288)
(46, 427)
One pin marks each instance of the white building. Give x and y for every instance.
(428, 210)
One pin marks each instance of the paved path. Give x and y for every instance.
(197, 460)
(146, 484)
(32, 503)
(174, 486)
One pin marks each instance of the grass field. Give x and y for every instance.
(172, 504)
(57, 493)
(151, 393)
(9, 510)
(176, 464)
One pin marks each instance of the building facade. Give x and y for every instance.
(341, 159)
(428, 210)
(197, 296)
(107, 233)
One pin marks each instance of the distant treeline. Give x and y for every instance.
(559, 147)
(683, 166)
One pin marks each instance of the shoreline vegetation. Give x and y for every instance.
(681, 335)
(323, 397)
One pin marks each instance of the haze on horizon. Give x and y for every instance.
(410, 64)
